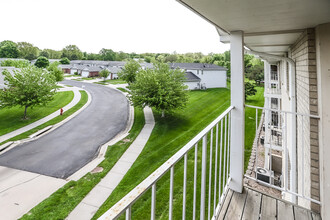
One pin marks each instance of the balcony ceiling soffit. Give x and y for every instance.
(269, 26)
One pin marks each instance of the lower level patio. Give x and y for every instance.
(253, 205)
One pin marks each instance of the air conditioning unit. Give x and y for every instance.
(265, 175)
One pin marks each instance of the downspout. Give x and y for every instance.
(292, 93)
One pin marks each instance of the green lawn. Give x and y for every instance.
(11, 118)
(79, 105)
(168, 136)
(71, 75)
(122, 89)
(64, 200)
(111, 81)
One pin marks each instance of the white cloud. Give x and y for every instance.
(126, 25)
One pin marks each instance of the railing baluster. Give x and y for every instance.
(220, 161)
(195, 182)
(216, 168)
(256, 120)
(128, 214)
(286, 158)
(303, 155)
(171, 193)
(225, 154)
(203, 184)
(228, 146)
(153, 201)
(210, 177)
(184, 187)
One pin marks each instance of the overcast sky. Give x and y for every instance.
(122, 25)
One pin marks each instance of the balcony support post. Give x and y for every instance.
(238, 116)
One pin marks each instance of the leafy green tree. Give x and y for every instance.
(42, 62)
(53, 54)
(129, 71)
(27, 87)
(8, 49)
(15, 63)
(27, 50)
(44, 53)
(56, 71)
(65, 60)
(104, 73)
(72, 52)
(161, 88)
(107, 54)
(249, 90)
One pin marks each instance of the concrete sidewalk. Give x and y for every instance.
(98, 195)
(21, 190)
(19, 131)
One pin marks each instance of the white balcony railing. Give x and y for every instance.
(273, 91)
(210, 150)
(293, 146)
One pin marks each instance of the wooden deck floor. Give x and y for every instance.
(253, 205)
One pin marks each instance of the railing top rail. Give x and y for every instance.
(273, 110)
(138, 191)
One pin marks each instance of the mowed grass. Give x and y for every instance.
(168, 136)
(111, 81)
(83, 100)
(250, 121)
(12, 118)
(64, 200)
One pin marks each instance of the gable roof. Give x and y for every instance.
(190, 77)
(203, 66)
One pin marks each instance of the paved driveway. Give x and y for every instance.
(71, 146)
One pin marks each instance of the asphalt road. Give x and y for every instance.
(71, 146)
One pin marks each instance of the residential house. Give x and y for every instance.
(211, 75)
(90, 71)
(192, 81)
(2, 77)
(293, 38)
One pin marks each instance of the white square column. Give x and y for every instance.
(237, 115)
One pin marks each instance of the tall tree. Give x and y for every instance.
(42, 62)
(27, 87)
(53, 54)
(56, 71)
(72, 52)
(161, 88)
(8, 49)
(107, 54)
(129, 71)
(104, 73)
(65, 60)
(27, 50)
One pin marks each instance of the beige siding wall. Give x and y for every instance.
(303, 53)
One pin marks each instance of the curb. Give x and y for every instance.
(103, 149)
(16, 143)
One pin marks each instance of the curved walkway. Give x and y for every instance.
(26, 128)
(97, 196)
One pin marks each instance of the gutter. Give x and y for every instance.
(292, 96)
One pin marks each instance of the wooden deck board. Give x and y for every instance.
(236, 209)
(252, 205)
(284, 210)
(302, 214)
(225, 204)
(268, 208)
